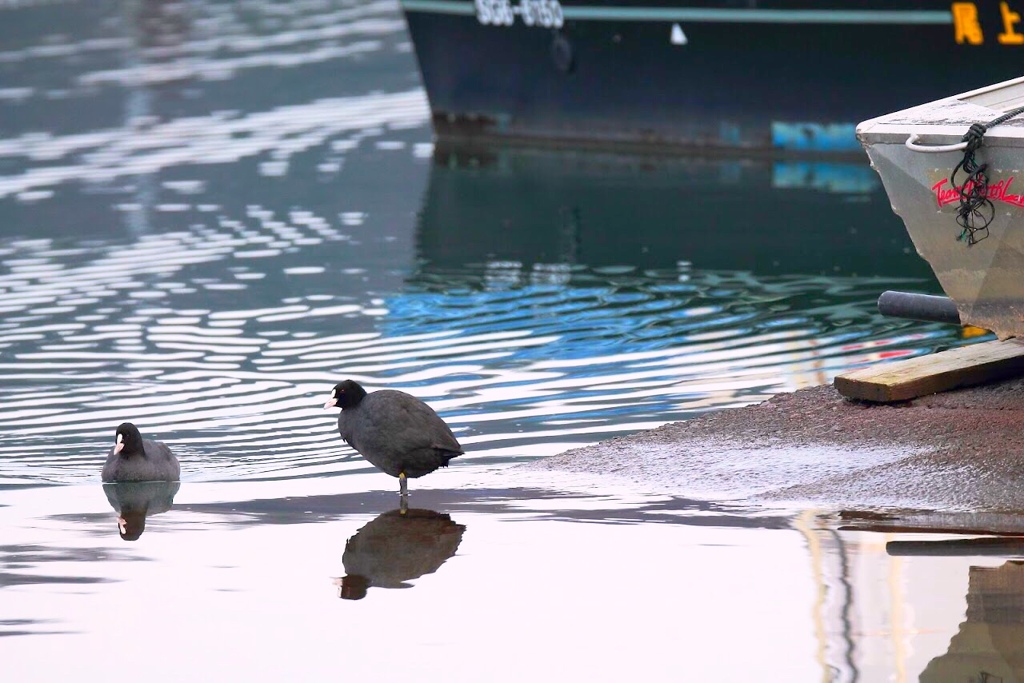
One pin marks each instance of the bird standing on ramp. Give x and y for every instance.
(398, 433)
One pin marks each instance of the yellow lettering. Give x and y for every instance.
(1009, 36)
(966, 25)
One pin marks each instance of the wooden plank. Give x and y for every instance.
(960, 367)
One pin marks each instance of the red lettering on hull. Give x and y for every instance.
(997, 192)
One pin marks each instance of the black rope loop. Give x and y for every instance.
(976, 210)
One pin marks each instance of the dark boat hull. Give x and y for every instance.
(767, 75)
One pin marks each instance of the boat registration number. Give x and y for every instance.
(545, 13)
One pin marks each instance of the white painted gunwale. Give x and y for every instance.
(946, 120)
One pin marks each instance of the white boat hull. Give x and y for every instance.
(984, 279)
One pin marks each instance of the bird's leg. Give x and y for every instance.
(403, 487)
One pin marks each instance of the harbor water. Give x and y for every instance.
(211, 212)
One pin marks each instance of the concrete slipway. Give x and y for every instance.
(948, 461)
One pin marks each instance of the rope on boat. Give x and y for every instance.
(976, 210)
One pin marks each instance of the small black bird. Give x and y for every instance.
(136, 459)
(396, 432)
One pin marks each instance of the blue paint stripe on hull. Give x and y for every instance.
(706, 15)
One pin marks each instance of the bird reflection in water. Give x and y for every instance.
(134, 501)
(397, 547)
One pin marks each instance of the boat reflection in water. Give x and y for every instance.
(397, 547)
(891, 595)
(134, 501)
(990, 643)
(767, 216)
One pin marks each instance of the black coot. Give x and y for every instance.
(136, 459)
(396, 432)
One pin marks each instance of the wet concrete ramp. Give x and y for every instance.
(951, 460)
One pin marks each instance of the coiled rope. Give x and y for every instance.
(976, 210)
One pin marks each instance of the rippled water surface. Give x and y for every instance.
(210, 212)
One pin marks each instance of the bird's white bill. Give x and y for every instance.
(122, 525)
(119, 445)
(330, 404)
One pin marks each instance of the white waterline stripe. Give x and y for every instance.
(697, 14)
(439, 6)
(759, 16)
